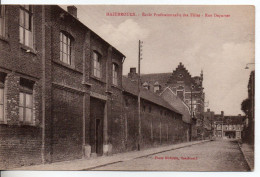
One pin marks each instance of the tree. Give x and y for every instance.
(246, 106)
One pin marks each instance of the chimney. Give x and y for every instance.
(133, 75)
(133, 70)
(222, 113)
(208, 110)
(72, 10)
(239, 115)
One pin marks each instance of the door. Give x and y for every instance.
(96, 125)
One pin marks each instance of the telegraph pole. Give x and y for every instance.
(139, 95)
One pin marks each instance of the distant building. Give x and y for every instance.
(209, 122)
(228, 126)
(169, 96)
(181, 83)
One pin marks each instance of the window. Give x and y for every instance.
(150, 109)
(65, 48)
(2, 20)
(26, 25)
(97, 65)
(1, 97)
(143, 108)
(115, 74)
(25, 107)
(156, 88)
(26, 101)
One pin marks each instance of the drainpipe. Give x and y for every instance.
(84, 99)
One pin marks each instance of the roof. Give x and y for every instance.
(230, 119)
(132, 88)
(161, 78)
(89, 29)
(233, 119)
(169, 96)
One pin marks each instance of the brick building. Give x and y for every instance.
(228, 126)
(59, 84)
(62, 94)
(187, 88)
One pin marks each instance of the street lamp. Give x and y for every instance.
(248, 64)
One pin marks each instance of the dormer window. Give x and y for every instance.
(146, 85)
(156, 87)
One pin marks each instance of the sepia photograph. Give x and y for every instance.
(127, 87)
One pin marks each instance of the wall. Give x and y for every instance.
(160, 126)
(20, 144)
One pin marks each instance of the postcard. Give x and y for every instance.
(127, 87)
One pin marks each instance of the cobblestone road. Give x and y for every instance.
(222, 155)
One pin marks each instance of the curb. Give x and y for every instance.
(93, 166)
(245, 157)
(146, 155)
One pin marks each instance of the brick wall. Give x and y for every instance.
(160, 126)
(20, 144)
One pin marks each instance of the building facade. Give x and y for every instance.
(63, 96)
(189, 89)
(55, 73)
(228, 127)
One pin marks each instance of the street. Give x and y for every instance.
(220, 155)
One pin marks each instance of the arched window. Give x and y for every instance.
(115, 74)
(65, 47)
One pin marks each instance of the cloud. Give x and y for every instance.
(123, 34)
(226, 79)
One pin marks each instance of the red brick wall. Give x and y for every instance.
(19, 144)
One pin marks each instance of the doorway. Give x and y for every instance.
(96, 125)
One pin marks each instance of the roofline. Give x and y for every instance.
(153, 102)
(155, 73)
(175, 95)
(91, 31)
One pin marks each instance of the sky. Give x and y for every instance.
(221, 47)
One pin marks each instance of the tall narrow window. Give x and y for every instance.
(115, 74)
(26, 102)
(65, 48)
(2, 78)
(2, 20)
(97, 65)
(26, 25)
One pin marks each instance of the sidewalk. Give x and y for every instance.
(248, 152)
(88, 164)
